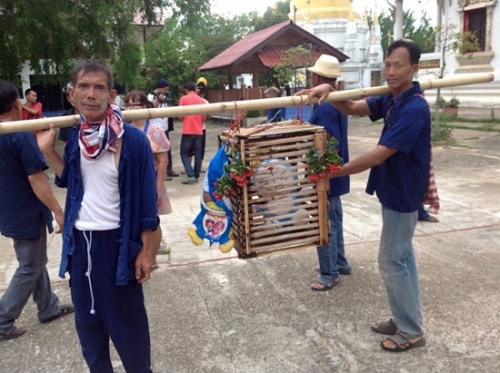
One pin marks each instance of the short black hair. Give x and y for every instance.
(94, 66)
(412, 48)
(9, 93)
(26, 92)
(190, 86)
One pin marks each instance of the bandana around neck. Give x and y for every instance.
(96, 138)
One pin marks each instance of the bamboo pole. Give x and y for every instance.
(179, 111)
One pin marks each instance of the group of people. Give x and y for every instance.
(113, 171)
(193, 138)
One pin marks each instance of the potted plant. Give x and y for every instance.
(451, 107)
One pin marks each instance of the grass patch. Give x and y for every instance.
(477, 120)
(487, 127)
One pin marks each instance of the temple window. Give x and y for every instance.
(475, 22)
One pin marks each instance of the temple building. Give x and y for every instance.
(336, 23)
(481, 17)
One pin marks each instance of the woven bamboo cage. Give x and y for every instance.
(279, 208)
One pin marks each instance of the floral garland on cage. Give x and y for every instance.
(326, 163)
(236, 174)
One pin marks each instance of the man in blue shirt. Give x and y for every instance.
(276, 114)
(110, 213)
(399, 174)
(332, 260)
(25, 216)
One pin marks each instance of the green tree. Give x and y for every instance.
(51, 34)
(423, 35)
(293, 59)
(273, 15)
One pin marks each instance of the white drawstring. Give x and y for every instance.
(89, 269)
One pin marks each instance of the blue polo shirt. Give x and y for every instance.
(276, 114)
(20, 209)
(400, 182)
(335, 124)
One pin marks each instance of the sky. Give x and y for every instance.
(234, 7)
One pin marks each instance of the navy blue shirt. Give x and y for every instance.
(20, 209)
(401, 180)
(335, 124)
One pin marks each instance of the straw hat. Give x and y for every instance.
(274, 90)
(327, 66)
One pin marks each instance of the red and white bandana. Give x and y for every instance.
(96, 138)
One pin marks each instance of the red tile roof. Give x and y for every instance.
(268, 54)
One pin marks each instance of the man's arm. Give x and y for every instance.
(31, 110)
(162, 163)
(46, 142)
(144, 259)
(42, 190)
(348, 107)
(367, 160)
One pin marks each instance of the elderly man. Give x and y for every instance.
(110, 213)
(276, 114)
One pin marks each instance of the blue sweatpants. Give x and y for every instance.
(104, 310)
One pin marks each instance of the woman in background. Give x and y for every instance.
(160, 146)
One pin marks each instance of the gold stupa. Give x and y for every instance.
(308, 10)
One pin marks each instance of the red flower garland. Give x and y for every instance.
(322, 164)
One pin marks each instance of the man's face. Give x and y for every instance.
(399, 71)
(91, 95)
(31, 97)
(161, 91)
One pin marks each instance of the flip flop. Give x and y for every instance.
(66, 309)
(326, 287)
(402, 344)
(16, 331)
(386, 327)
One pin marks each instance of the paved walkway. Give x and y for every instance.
(211, 312)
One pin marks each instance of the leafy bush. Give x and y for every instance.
(253, 113)
(454, 102)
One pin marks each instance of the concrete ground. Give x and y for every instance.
(212, 312)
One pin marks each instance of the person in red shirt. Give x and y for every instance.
(192, 134)
(31, 109)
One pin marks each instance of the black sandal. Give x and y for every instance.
(66, 309)
(402, 343)
(326, 287)
(386, 327)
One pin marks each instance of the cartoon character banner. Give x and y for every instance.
(214, 220)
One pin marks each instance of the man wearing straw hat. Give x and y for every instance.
(110, 213)
(25, 216)
(332, 260)
(276, 114)
(399, 175)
